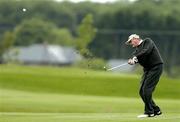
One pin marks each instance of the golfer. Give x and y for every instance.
(148, 56)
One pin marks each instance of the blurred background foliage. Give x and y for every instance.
(105, 27)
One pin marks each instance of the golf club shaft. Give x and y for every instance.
(117, 66)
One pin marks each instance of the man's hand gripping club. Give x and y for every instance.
(133, 60)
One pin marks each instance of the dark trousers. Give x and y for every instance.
(149, 81)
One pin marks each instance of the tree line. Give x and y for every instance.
(59, 22)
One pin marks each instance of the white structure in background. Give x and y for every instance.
(43, 54)
(115, 62)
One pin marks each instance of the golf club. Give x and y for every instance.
(117, 66)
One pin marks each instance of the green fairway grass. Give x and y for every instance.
(18, 106)
(85, 117)
(18, 101)
(80, 81)
(51, 94)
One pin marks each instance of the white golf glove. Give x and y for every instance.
(133, 61)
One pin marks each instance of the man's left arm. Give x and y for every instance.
(147, 48)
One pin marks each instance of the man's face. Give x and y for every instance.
(134, 42)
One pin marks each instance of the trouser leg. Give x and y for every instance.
(155, 107)
(149, 81)
(141, 85)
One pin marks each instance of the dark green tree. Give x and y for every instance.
(63, 37)
(34, 30)
(85, 34)
(6, 43)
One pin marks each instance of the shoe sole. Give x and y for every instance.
(146, 116)
(158, 114)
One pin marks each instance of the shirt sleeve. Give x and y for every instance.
(147, 48)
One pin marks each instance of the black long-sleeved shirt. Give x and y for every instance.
(148, 54)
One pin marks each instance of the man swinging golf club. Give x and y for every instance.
(148, 56)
